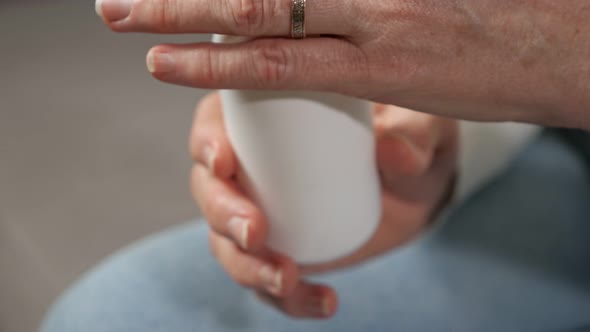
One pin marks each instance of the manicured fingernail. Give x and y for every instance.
(239, 228)
(98, 8)
(160, 62)
(272, 279)
(113, 10)
(210, 155)
(319, 306)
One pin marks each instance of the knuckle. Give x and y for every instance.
(254, 214)
(166, 15)
(242, 273)
(363, 71)
(214, 203)
(248, 15)
(216, 207)
(211, 74)
(271, 62)
(246, 273)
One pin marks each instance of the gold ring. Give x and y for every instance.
(298, 19)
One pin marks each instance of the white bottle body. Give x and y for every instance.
(309, 161)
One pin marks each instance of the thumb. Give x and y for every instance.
(406, 141)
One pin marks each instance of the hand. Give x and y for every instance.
(479, 60)
(416, 158)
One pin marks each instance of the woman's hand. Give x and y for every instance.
(416, 158)
(522, 60)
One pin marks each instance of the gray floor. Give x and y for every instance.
(92, 150)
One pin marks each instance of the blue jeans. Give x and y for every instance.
(514, 257)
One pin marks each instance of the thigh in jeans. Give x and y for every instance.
(513, 258)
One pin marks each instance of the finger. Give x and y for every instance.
(272, 273)
(406, 140)
(209, 143)
(306, 301)
(233, 17)
(416, 152)
(275, 64)
(228, 211)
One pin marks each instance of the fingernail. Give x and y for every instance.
(238, 227)
(98, 8)
(113, 10)
(160, 62)
(210, 154)
(272, 279)
(319, 306)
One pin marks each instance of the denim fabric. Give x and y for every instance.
(514, 257)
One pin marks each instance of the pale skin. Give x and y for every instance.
(416, 155)
(514, 60)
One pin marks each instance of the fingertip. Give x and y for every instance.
(307, 301)
(161, 63)
(320, 302)
(98, 8)
(149, 60)
(330, 302)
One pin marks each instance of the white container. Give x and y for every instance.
(309, 160)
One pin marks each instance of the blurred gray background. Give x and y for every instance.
(93, 150)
